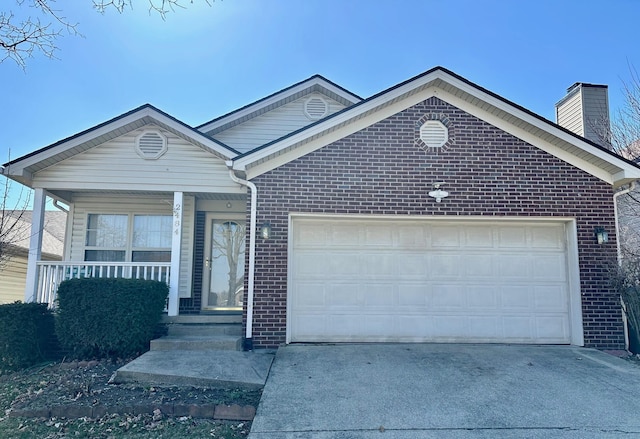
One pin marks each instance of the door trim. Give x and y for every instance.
(206, 277)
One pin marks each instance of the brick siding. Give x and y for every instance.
(383, 170)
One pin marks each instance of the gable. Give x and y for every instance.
(116, 166)
(276, 123)
(438, 82)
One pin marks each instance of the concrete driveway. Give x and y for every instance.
(403, 391)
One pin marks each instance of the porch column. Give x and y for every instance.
(176, 244)
(35, 245)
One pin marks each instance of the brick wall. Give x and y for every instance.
(383, 170)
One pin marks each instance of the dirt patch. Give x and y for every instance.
(57, 391)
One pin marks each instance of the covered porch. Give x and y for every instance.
(195, 242)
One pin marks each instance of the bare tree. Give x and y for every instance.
(21, 38)
(625, 140)
(13, 227)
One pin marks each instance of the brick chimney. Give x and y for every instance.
(585, 111)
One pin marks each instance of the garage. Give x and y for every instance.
(365, 279)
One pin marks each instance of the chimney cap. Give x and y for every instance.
(585, 84)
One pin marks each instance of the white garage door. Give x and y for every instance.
(355, 280)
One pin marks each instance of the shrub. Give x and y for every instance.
(26, 331)
(626, 281)
(108, 317)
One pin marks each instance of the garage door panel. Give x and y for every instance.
(379, 280)
(550, 267)
(547, 238)
(444, 266)
(548, 298)
(511, 237)
(445, 237)
(478, 237)
(411, 237)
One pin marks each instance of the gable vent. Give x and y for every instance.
(434, 134)
(151, 145)
(316, 108)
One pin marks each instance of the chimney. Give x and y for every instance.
(585, 111)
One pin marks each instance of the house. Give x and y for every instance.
(13, 268)
(434, 211)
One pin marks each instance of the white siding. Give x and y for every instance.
(569, 114)
(84, 205)
(115, 165)
(272, 125)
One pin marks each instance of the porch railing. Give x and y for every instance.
(51, 274)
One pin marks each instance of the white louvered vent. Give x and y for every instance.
(316, 108)
(434, 134)
(151, 145)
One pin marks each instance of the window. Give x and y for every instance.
(152, 238)
(128, 238)
(106, 238)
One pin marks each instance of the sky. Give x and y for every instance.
(204, 61)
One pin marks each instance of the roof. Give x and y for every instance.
(55, 223)
(462, 93)
(360, 113)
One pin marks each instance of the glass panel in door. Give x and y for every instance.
(226, 264)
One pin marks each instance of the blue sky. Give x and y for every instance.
(204, 61)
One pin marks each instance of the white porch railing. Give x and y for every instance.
(51, 274)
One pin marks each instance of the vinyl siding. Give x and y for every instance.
(115, 165)
(569, 114)
(12, 280)
(596, 112)
(272, 125)
(84, 205)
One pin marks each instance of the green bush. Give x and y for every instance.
(26, 331)
(108, 317)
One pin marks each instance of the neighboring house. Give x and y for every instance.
(432, 211)
(13, 269)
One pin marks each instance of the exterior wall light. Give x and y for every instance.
(601, 235)
(265, 230)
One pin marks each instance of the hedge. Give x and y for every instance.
(98, 318)
(26, 335)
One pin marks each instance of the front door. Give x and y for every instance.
(223, 274)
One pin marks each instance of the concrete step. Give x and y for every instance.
(200, 319)
(219, 369)
(175, 329)
(197, 343)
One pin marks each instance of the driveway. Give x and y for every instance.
(406, 391)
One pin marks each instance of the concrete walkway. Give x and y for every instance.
(219, 368)
(448, 391)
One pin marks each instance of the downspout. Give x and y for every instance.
(55, 204)
(615, 213)
(248, 344)
(619, 250)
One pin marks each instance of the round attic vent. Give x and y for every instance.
(316, 108)
(434, 134)
(151, 145)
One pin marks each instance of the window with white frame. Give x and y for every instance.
(128, 238)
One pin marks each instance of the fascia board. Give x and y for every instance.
(340, 118)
